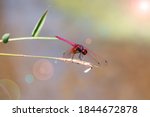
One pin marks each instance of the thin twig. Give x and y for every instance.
(85, 63)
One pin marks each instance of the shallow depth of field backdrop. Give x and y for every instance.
(118, 30)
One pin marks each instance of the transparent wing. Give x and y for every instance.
(98, 59)
(68, 54)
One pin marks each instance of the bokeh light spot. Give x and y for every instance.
(29, 78)
(55, 61)
(88, 41)
(9, 89)
(43, 69)
(144, 6)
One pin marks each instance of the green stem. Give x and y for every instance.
(31, 38)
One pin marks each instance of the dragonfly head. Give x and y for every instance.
(84, 51)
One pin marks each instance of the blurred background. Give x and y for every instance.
(116, 30)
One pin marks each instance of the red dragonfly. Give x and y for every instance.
(77, 48)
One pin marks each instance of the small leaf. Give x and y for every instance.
(39, 25)
(5, 37)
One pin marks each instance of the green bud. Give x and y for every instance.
(5, 37)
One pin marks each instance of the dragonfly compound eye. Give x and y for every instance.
(84, 51)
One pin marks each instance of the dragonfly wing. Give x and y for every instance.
(65, 40)
(99, 60)
(68, 54)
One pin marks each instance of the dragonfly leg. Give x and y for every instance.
(64, 55)
(72, 57)
(80, 56)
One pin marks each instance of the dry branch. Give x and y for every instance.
(85, 63)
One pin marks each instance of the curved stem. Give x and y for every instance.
(31, 38)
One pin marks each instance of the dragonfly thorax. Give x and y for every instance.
(81, 49)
